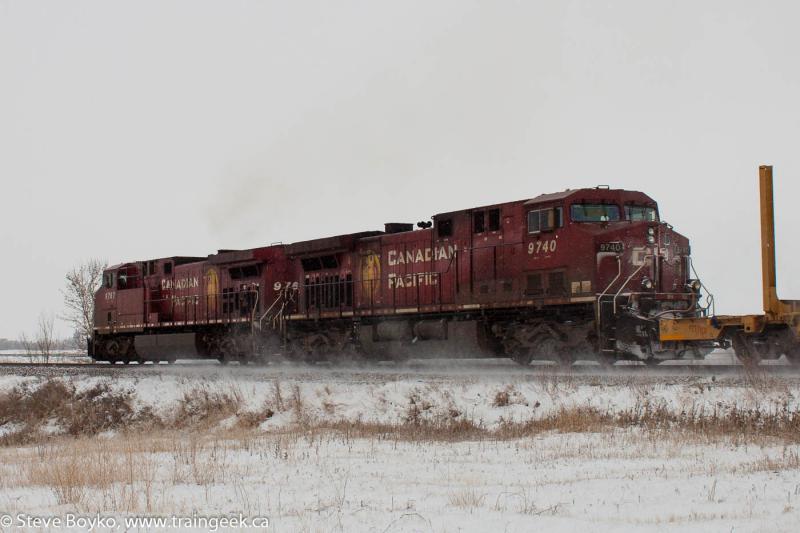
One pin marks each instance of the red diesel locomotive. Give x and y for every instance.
(586, 271)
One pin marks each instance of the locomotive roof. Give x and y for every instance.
(327, 244)
(178, 260)
(552, 196)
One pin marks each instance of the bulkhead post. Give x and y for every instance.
(772, 305)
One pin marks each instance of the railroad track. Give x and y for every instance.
(427, 366)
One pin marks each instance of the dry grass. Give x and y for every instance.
(137, 474)
(309, 466)
(740, 426)
(508, 396)
(122, 474)
(201, 406)
(63, 409)
(466, 498)
(56, 404)
(77, 413)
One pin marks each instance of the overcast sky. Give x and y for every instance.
(145, 129)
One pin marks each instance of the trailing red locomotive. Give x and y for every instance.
(586, 271)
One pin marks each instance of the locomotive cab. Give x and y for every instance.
(607, 248)
(118, 299)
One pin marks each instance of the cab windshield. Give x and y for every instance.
(639, 213)
(594, 213)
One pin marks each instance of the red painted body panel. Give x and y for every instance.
(487, 260)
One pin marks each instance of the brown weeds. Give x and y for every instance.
(29, 412)
(86, 412)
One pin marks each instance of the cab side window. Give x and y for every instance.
(494, 220)
(545, 219)
(478, 222)
(444, 228)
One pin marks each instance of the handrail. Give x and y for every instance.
(709, 296)
(644, 262)
(613, 281)
(263, 316)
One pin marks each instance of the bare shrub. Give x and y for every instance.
(28, 344)
(87, 412)
(508, 396)
(45, 340)
(40, 346)
(501, 399)
(82, 282)
(252, 419)
(201, 405)
(98, 409)
(417, 406)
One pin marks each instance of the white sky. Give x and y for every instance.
(144, 129)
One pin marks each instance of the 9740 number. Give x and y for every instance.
(545, 246)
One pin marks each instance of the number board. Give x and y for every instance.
(612, 247)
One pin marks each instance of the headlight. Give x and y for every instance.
(647, 284)
(651, 239)
(651, 230)
(694, 285)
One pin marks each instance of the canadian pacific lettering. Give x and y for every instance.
(420, 255)
(181, 283)
(414, 256)
(412, 280)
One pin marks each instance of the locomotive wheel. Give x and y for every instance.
(318, 348)
(113, 350)
(225, 359)
(605, 360)
(228, 351)
(522, 356)
(745, 351)
(550, 348)
(519, 353)
(130, 352)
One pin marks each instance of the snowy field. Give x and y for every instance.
(353, 450)
(61, 356)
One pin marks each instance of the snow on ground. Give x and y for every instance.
(618, 481)
(307, 480)
(62, 356)
(387, 401)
